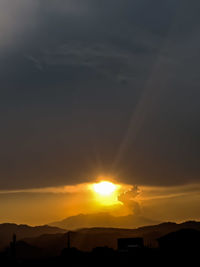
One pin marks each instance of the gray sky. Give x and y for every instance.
(93, 87)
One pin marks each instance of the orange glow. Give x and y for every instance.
(104, 188)
(106, 193)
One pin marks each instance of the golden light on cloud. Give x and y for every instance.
(104, 194)
(55, 203)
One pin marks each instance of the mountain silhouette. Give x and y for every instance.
(50, 241)
(89, 238)
(22, 231)
(103, 220)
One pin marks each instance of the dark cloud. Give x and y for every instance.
(91, 87)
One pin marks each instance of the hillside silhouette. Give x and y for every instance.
(184, 240)
(103, 220)
(23, 231)
(166, 243)
(90, 238)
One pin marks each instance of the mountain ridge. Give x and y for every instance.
(23, 230)
(88, 238)
(103, 220)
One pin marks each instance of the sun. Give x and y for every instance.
(104, 188)
(105, 193)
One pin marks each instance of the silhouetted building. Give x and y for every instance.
(127, 244)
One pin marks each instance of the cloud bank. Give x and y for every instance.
(92, 87)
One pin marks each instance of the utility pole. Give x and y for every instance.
(13, 247)
(68, 240)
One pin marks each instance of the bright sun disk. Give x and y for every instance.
(104, 188)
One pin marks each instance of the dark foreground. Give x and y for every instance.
(107, 257)
(175, 249)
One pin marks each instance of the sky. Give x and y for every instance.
(95, 88)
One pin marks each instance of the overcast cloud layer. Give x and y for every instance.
(99, 87)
